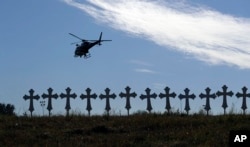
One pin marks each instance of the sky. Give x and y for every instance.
(181, 44)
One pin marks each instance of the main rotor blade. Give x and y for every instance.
(76, 36)
(98, 40)
(106, 40)
(84, 39)
(75, 42)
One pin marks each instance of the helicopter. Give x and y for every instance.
(83, 48)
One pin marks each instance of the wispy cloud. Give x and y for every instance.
(145, 70)
(139, 62)
(203, 33)
(144, 67)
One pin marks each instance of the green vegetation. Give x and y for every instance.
(139, 129)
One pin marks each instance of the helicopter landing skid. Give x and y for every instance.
(87, 56)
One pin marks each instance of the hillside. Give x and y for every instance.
(134, 130)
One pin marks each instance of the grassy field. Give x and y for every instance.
(135, 130)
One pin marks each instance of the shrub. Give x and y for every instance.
(7, 109)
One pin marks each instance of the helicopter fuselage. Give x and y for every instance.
(83, 49)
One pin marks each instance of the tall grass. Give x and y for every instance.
(140, 129)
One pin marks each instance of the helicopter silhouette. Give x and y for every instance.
(83, 49)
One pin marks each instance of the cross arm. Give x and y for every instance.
(62, 95)
(192, 96)
(102, 96)
(161, 95)
(154, 95)
(127, 95)
(143, 96)
(113, 96)
(25, 97)
(36, 97)
(73, 95)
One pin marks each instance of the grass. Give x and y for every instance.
(135, 130)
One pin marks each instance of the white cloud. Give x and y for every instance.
(144, 70)
(206, 34)
(143, 64)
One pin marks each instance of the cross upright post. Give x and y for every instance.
(49, 96)
(107, 96)
(128, 95)
(167, 95)
(224, 93)
(68, 96)
(187, 97)
(244, 96)
(148, 96)
(31, 97)
(88, 96)
(207, 96)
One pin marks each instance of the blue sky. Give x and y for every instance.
(180, 44)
